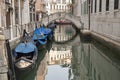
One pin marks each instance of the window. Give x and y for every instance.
(30, 17)
(34, 16)
(95, 5)
(116, 4)
(8, 19)
(107, 5)
(91, 6)
(58, 1)
(50, 6)
(100, 5)
(57, 7)
(85, 7)
(64, 1)
(82, 7)
(54, 6)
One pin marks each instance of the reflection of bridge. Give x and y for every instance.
(62, 15)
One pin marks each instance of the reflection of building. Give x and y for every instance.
(60, 55)
(94, 62)
(54, 6)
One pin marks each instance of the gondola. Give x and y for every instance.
(25, 53)
(47, 31)
(41, 35)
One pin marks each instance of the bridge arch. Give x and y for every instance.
(62, 15)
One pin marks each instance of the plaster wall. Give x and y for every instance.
(106, 23)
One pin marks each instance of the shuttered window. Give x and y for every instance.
(100, 5)
(91, 6)
(116, 4)
(95, 5)
(107, 5)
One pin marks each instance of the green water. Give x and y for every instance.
(89, 60)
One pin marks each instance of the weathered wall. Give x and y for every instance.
(105, 22)
(25, 12)
(3, 59)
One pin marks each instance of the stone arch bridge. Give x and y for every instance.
(62, 15)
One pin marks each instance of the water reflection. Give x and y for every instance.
(59, 60)
(76, 60)
(64, 33)
(93, 61)
(56, 72)
(60, 55)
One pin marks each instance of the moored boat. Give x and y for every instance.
(25, 53)
(42, 35)
(39, 37)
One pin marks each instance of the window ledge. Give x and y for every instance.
(116, 10)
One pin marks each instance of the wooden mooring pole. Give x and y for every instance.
(11, 71)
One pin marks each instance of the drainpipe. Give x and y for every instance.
(88, 14)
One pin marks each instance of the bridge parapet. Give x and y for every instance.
(62, 15)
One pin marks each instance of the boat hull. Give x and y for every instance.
(25, 55)
(17, 66)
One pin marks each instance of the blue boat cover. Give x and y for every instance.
(40, 36)
(25, 47)
(41, 33)
(45, 30)
(42, 42)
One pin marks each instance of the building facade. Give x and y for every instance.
(5, 13)
(15, 14)
(53, 6)
(104, 17)
(40, 9)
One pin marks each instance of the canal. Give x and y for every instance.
(70, 57)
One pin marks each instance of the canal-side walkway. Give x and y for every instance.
(111, 43)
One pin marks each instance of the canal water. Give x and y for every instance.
(70, 57)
